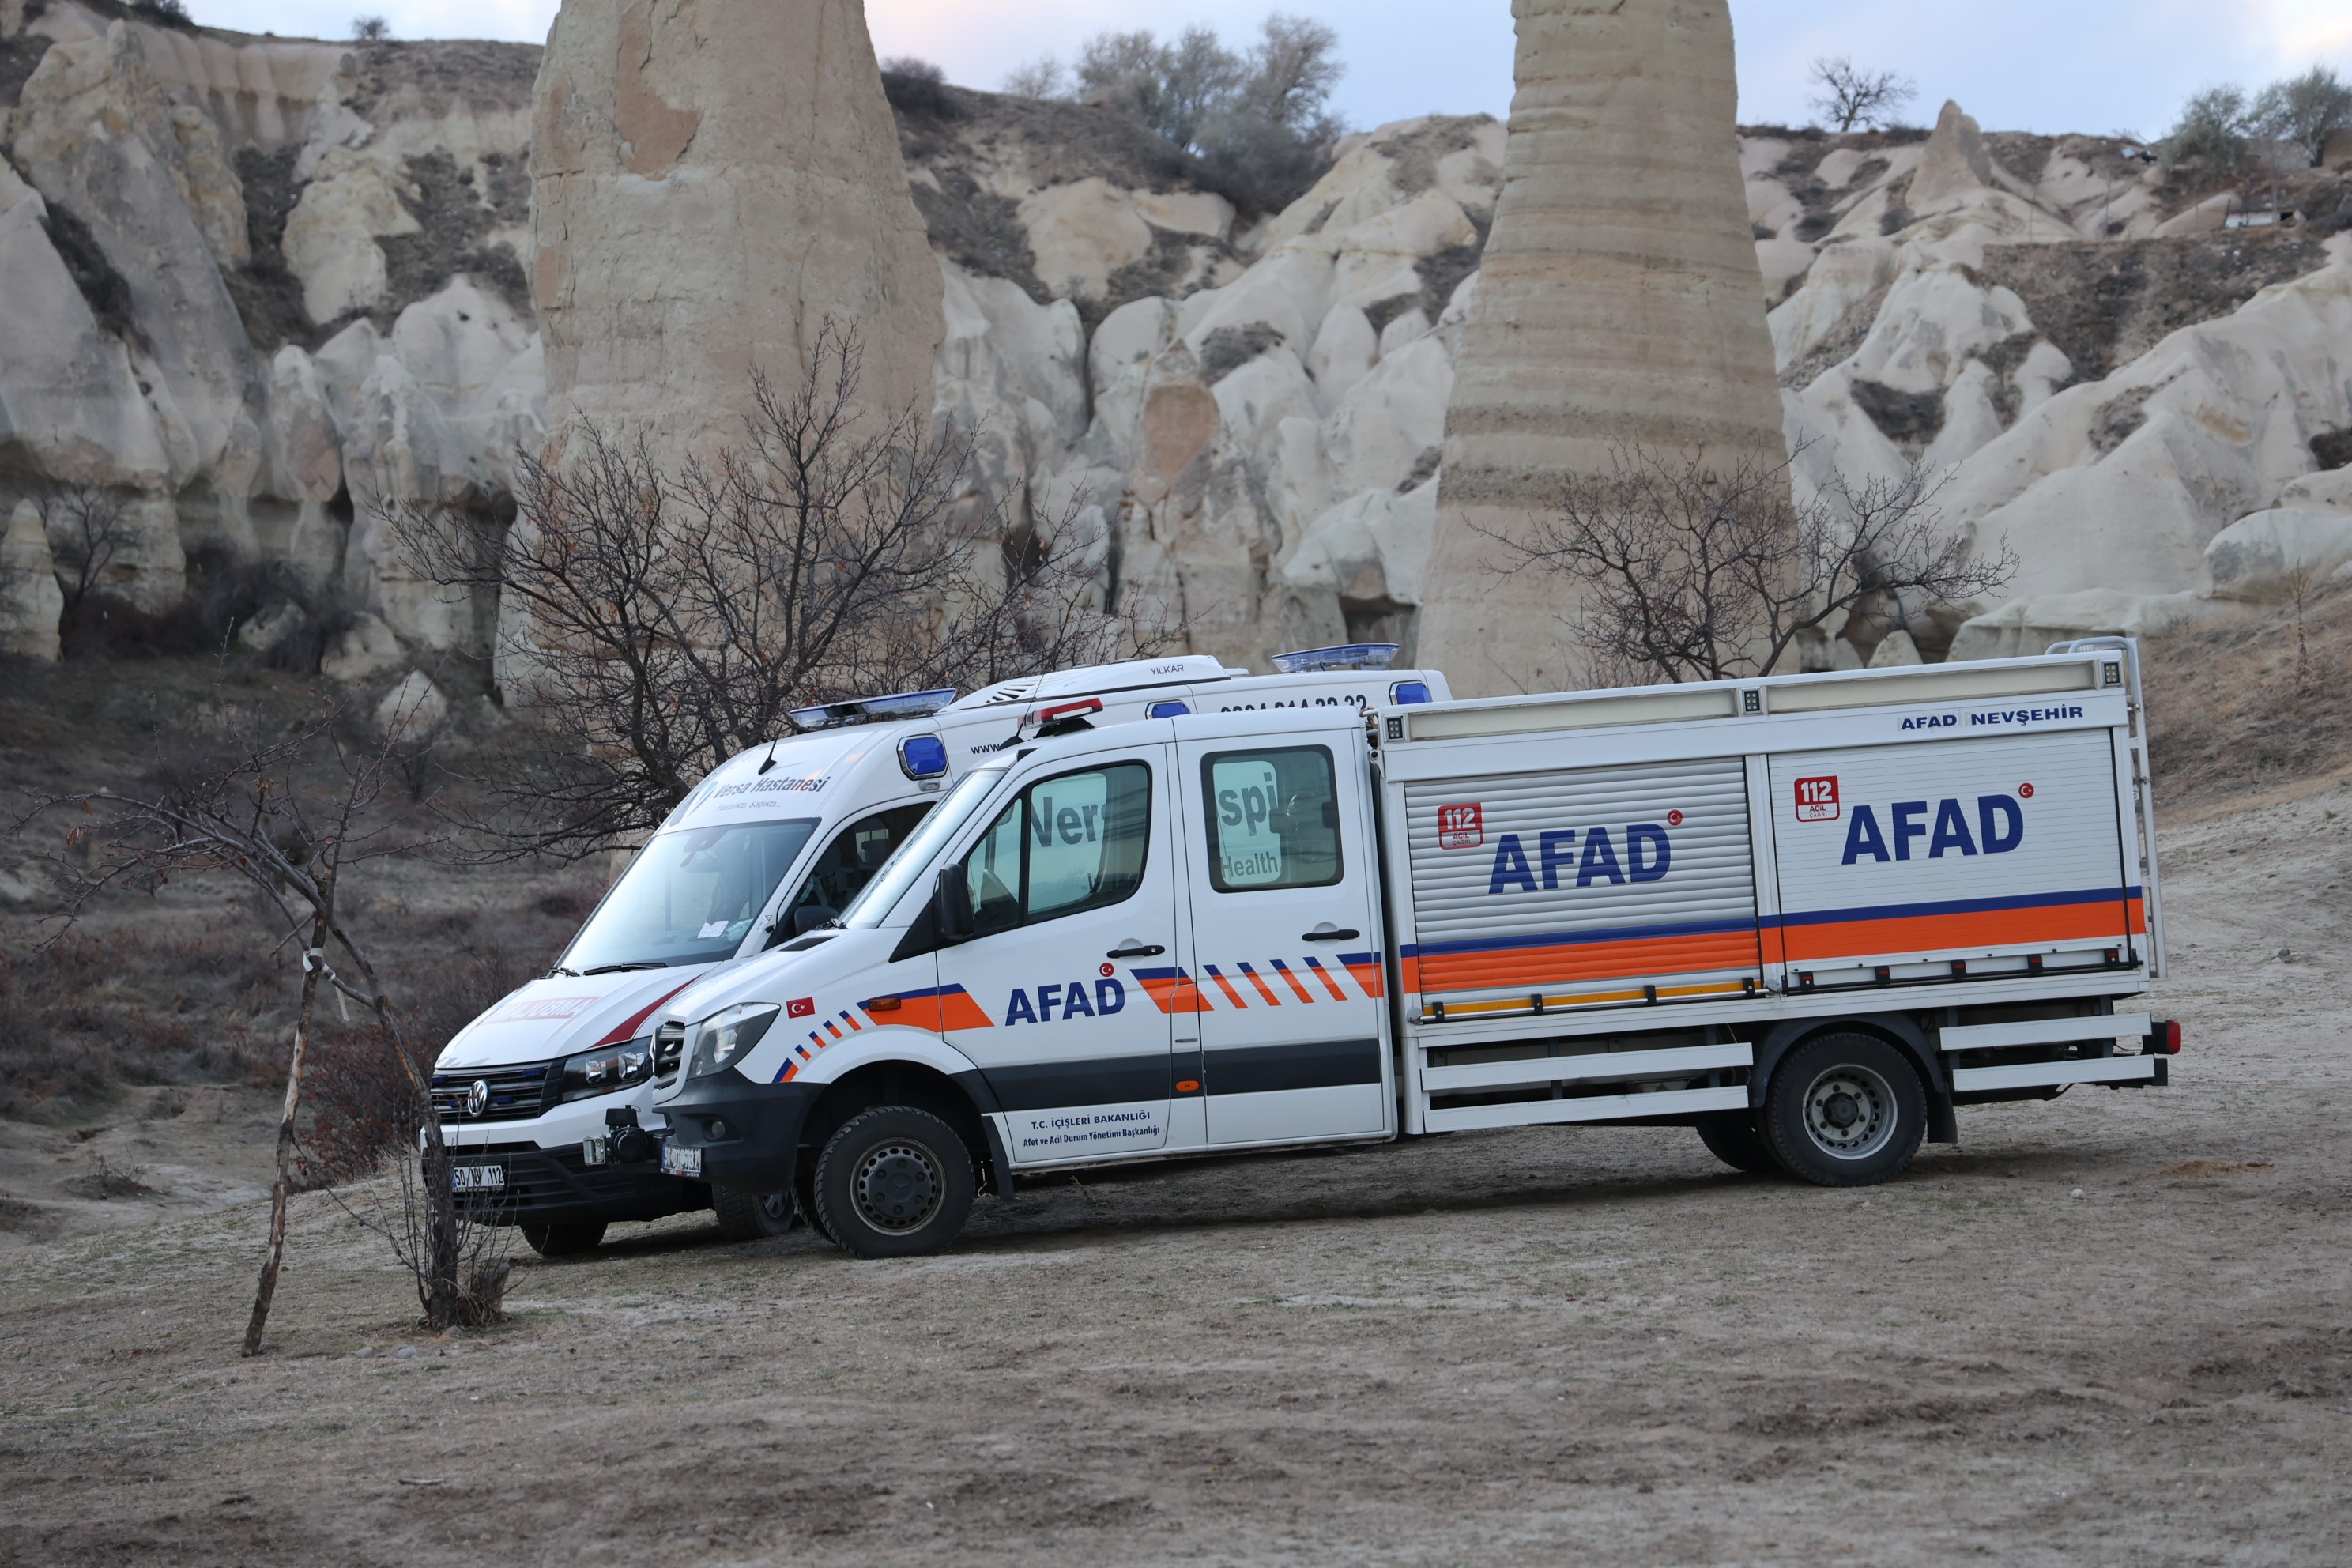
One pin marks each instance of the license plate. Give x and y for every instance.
(678, 1161)
(477, 1178)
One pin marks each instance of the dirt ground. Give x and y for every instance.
(2116, 1328)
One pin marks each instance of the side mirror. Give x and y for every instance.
(808, 917)
(952, 907)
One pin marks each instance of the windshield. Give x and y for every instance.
(915, 855)
(689, 896)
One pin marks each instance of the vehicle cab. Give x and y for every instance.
(548, 1100)
(1154, 940)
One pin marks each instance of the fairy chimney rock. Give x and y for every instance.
(1620, 304)
(713, 181)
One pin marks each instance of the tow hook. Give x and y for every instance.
(626, 1142)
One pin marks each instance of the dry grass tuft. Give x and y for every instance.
(2252, 708)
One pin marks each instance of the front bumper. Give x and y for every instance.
(560, 1184)
(749, 1134)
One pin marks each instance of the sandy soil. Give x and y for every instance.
(2116, 1328)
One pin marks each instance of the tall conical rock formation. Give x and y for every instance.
(712, 180)
(1620, 303)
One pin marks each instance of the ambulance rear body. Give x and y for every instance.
(779, 839)
(1810, 916)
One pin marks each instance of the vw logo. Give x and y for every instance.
(478, 1099)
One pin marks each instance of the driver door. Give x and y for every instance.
(1073, 892)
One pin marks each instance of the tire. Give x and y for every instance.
(804, 1195)
(1731, 1137)
(1844, 1110)
(753, 1217)
(563, 1239)
(895, 1182)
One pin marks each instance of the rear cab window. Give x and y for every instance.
(1274, 818)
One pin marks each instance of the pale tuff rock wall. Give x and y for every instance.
(1620, 302)
(712, 180)
(186, 216)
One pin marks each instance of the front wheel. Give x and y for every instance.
(1844, 1110)
(895, 1182)
(563, 1239)
(753, 1216)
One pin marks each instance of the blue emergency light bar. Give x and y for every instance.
(1348, 656)
(871, 709)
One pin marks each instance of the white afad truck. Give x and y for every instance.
(546, 1098)
(1809, 917)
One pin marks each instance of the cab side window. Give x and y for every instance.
(849, 863)
(1066, 846)
(1273, 820)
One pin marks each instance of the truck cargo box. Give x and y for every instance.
(1655, 847)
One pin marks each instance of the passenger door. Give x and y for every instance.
(1288, 969)
(1072, 892)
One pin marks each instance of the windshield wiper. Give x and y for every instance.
(634, 963)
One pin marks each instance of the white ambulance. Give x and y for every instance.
(1810, 917)
(546, 1098)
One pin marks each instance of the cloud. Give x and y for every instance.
(2302, 32)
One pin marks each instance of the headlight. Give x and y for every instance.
(607, 1068)
(724, 1039)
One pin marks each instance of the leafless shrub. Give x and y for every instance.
(1849, 95)
(371, 29)
(86, 532)
(670, 621)
(1683, 571)
(914, 86)
(288, 814)
(1044, 78)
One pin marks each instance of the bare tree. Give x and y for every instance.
(2213, 133)
(86, 532)
(2304, 110)
(1850, 96)
(1045, 77)
(371, 29)
(670, 621)
(267, 810)
(1682, 571)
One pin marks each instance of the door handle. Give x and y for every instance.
(1330, 936)
(1135, 950)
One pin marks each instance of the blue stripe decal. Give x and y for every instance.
(1956, 907)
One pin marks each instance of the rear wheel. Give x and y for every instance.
(1844, 1110)
(1731, 1137)
(895, 1182)
(563, 1239)
(753, 1216)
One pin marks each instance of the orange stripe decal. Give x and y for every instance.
(1264, 989)
(1574, 963)
(1329, 983)
(1931, 933)
(1284, 970)
(1226, 986)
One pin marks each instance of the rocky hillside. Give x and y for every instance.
(256, 286)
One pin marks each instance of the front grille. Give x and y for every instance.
(516, 1093)
(669, 1045)
(543, 1182)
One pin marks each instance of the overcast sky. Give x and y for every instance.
(2023, 64)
